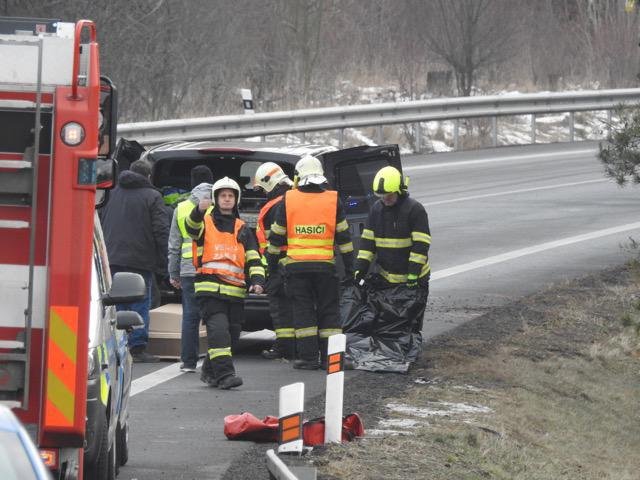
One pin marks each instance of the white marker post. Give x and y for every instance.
(335, 389)
(247, 100)
(290, 408)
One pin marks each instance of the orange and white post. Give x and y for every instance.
(290, 408)
(335, 389)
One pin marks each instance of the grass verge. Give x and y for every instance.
(546, 388)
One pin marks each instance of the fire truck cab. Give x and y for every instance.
(64, 366)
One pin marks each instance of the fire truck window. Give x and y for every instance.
(16, 131)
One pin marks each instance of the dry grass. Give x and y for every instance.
(563, 388)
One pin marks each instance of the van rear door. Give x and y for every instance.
(351, 172)
(127, 152)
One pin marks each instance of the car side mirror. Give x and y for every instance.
(126, 287)
(128, 320)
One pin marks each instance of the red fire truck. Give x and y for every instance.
(57, 128)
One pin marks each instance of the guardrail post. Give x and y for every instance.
(418, 134)
(572, 126)
(533, 128)
(456, 134)
(494, 130)
(341, 138)
(609, 120)
(304, 137)
(379, 135)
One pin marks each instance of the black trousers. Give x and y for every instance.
(223, 319)
(314, 297)
(281, 312)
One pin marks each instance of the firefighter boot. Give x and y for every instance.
(206, 374)
(306, 364)
(282, 348)
(230, 381)
(273, 353)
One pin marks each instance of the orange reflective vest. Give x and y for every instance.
(261, 231)
(311, 225)
(222, 254)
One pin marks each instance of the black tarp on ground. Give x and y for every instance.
(381, 325)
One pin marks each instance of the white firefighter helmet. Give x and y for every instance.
(226, 182)
(309, 170)
(269, 175)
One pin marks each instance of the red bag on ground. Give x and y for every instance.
(313, 430)
(247, 426)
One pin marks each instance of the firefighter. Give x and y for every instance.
(309, 221)
(181, 269)
(397, 234)
(271, 178)
(223, 245)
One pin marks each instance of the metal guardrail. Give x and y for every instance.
(413, 112)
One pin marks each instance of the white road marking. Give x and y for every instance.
(504, 257)
(532, 156)
(152, 379)
(510, 192)
(169, 372)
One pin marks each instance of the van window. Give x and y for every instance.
(354, 182)
(247, 174)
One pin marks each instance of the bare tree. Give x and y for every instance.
(468, 34)
(609, 38)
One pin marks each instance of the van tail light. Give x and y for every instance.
(50, 458)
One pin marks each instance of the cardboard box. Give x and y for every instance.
(165, 332)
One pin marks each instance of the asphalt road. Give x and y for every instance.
(504, 223)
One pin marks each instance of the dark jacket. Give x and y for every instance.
(399, 239)
(278, 238)
(270, 216)
(136, 225)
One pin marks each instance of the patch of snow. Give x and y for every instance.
(427, 381)
(400, 423)
(439, 146)
(358, 135)
(551, 118)
(376, 432)
(471, 388)
(439, 409)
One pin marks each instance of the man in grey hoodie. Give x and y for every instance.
(181, 269)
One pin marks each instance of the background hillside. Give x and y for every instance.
(179, 59)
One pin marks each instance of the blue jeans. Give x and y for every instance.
(190, 343)
(139, 336)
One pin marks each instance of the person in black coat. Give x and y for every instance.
(136, 230)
